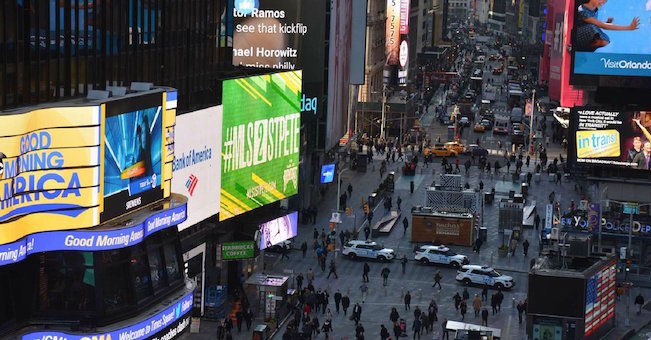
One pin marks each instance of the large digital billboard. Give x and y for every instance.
(260, 141)
(392, 43)
(268, 33)
(278, 230)
(133, 154)
(603, 137)
(197, 163)
(600, 298)
(612, 38)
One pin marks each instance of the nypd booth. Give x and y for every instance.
(89, 247)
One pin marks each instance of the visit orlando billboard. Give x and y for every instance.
(54, 174)
(261, 141)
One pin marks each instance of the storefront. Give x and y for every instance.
(88, 235)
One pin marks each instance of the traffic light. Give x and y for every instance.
(628, 265)
(366, 208)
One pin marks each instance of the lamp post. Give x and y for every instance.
(339, 185)
(384, 104)
(533, 109)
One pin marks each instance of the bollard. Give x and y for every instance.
(512, 302)
(411, 186)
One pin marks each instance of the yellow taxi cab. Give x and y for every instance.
(478, 128)
(439, 150)
(457, 147)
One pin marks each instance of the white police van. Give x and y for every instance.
(367, 249)
(440, 255)
(474, 274)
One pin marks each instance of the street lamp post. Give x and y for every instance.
(384, 104)
(339, 185)
(533, 109)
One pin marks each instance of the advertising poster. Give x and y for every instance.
(327, 173)
(278, 230)
(339, 71)
(613, 38)
(197, 163)
(238, 250)
(267, 34)
(404, 16)
(49, 170)
(133, 154)
(404, 62)
(392, 44)
(600, 298)
(611, 138)
(260, 141)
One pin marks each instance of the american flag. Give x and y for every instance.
(191, 183)
(600, 298)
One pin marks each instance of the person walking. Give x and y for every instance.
(476, 304)
(536, 221)
(248, 318)
(415, 326)
(367, 229)
(357, 313)
(478, 244)
(494, 303)
(310, 276)
(444, 330)
(364, 289)
(463, 308)
(437, 279)
(394, 316)
(484, 317)
(326, 328)
(385, 275)
(405, 225)
(465, 294)
(407, 301)
(520, 308)
(337, 300)
(399, 201)
(366, 270)
(484, 291)
(333, 269)
(350, 190)
(220, 330)
(403, 262)
(384, 332)
(285, 252)
(325, 299)
(342, 238)
(525, 247)
(299, 281)
(500, 298)
(304, 248)
(345, 302)
(457, 300)
(397, 331)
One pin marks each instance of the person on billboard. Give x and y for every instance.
(589, 29)
(141, 163)
(637, 148)
(643, 128)
(643, 159)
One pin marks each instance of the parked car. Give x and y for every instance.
(474, 274)
(367, 249)
(440, 255)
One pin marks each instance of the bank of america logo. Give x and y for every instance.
(191, 183)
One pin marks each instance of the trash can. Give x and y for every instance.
(524, 188)
(488, 197)
(483, 234)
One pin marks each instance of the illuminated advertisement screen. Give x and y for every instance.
(268, 33)
(616, 138)
(612, 38)
(392, 43)
(133, 148)
(278, 230)
(261, 141)
(600, 298)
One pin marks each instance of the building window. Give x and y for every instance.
(67, 283)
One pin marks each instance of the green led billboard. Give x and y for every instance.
(261, 141)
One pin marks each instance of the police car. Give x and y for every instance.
(470, 274)
(367, 249)
(440, 255)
